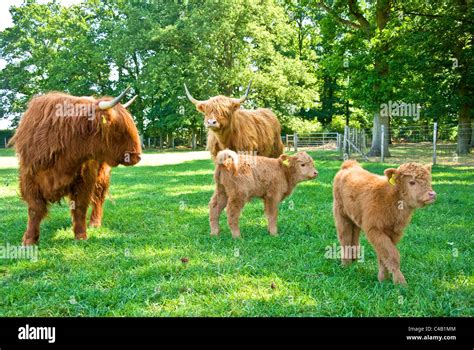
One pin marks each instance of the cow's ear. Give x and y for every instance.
(201, 107)
(429, 167)
(392, 174)
(235, 105)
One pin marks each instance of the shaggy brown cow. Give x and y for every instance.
(381, 206)
(241, 178)
(255, 132)
(66, 145)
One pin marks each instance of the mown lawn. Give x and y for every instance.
(157, 216)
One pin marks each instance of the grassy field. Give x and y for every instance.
(133, 265)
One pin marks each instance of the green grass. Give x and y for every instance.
(158, 215)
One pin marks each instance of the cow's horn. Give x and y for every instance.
(109, 104)
(126, 105)
(243, 98)
(192, 99)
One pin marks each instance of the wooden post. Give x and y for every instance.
(382, 136)
(149, 144)
(287, 144)
(5, 141)
(295, 141)
(435, 137)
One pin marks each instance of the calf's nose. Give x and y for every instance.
(432, 194)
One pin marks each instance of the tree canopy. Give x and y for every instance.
(316, 64)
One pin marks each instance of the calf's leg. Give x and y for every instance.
(216, 205)
(271, 212)
(388, 254)
(348, 235)
(234, 208)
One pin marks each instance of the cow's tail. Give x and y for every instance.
(229, 160)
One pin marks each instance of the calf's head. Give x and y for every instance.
(301, 166)
(413, 182)
(121, 142)
(217, 110)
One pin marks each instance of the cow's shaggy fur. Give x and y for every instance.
(71, 155)
(240, 178)
(241, 130)
(381, 206)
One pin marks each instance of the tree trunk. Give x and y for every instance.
(376, 149)
(464, 130)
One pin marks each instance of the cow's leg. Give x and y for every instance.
(345, 233)
(216, 205)
(387, 252)
(271, 212)
(81, 192)
(234, 208)
(37, 210)
(101, 189)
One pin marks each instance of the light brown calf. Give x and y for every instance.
(241, 178)
(382, 206)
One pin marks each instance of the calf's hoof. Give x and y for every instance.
(80, 236)
(346, 262)
(236, 235)
(214, 233)
(398, 278)
(382, 276)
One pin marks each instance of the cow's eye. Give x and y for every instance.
(412, 182)
(303, 164)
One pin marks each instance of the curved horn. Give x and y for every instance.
(243, 98)
(109, 104)
(126, 105)
(192, 99)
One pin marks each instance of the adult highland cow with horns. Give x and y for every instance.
(66, 146)
(241, 130)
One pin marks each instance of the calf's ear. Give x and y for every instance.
(285, 159)
(429, 167)
(392, 174)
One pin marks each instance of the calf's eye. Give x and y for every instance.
(303, 164)
(412, 182)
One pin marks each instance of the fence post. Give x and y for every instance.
(382, 146)
(435, 136)
(295, 141)
(345, 143)
(287, 144)
(148, 142)
(5, 141)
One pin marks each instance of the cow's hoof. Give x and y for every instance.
(80, 237)
(95, 224)
(346, 262)
(215, 234)
(29, 242)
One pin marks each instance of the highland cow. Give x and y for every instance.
(382, 206)
(240, 178)
(253, 132)
(66, 146)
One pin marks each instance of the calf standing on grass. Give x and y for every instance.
(241, 178)
(381, 206)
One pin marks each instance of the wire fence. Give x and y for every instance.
(431, 143)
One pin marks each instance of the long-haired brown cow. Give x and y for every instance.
(66, 146)
(241, 130)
